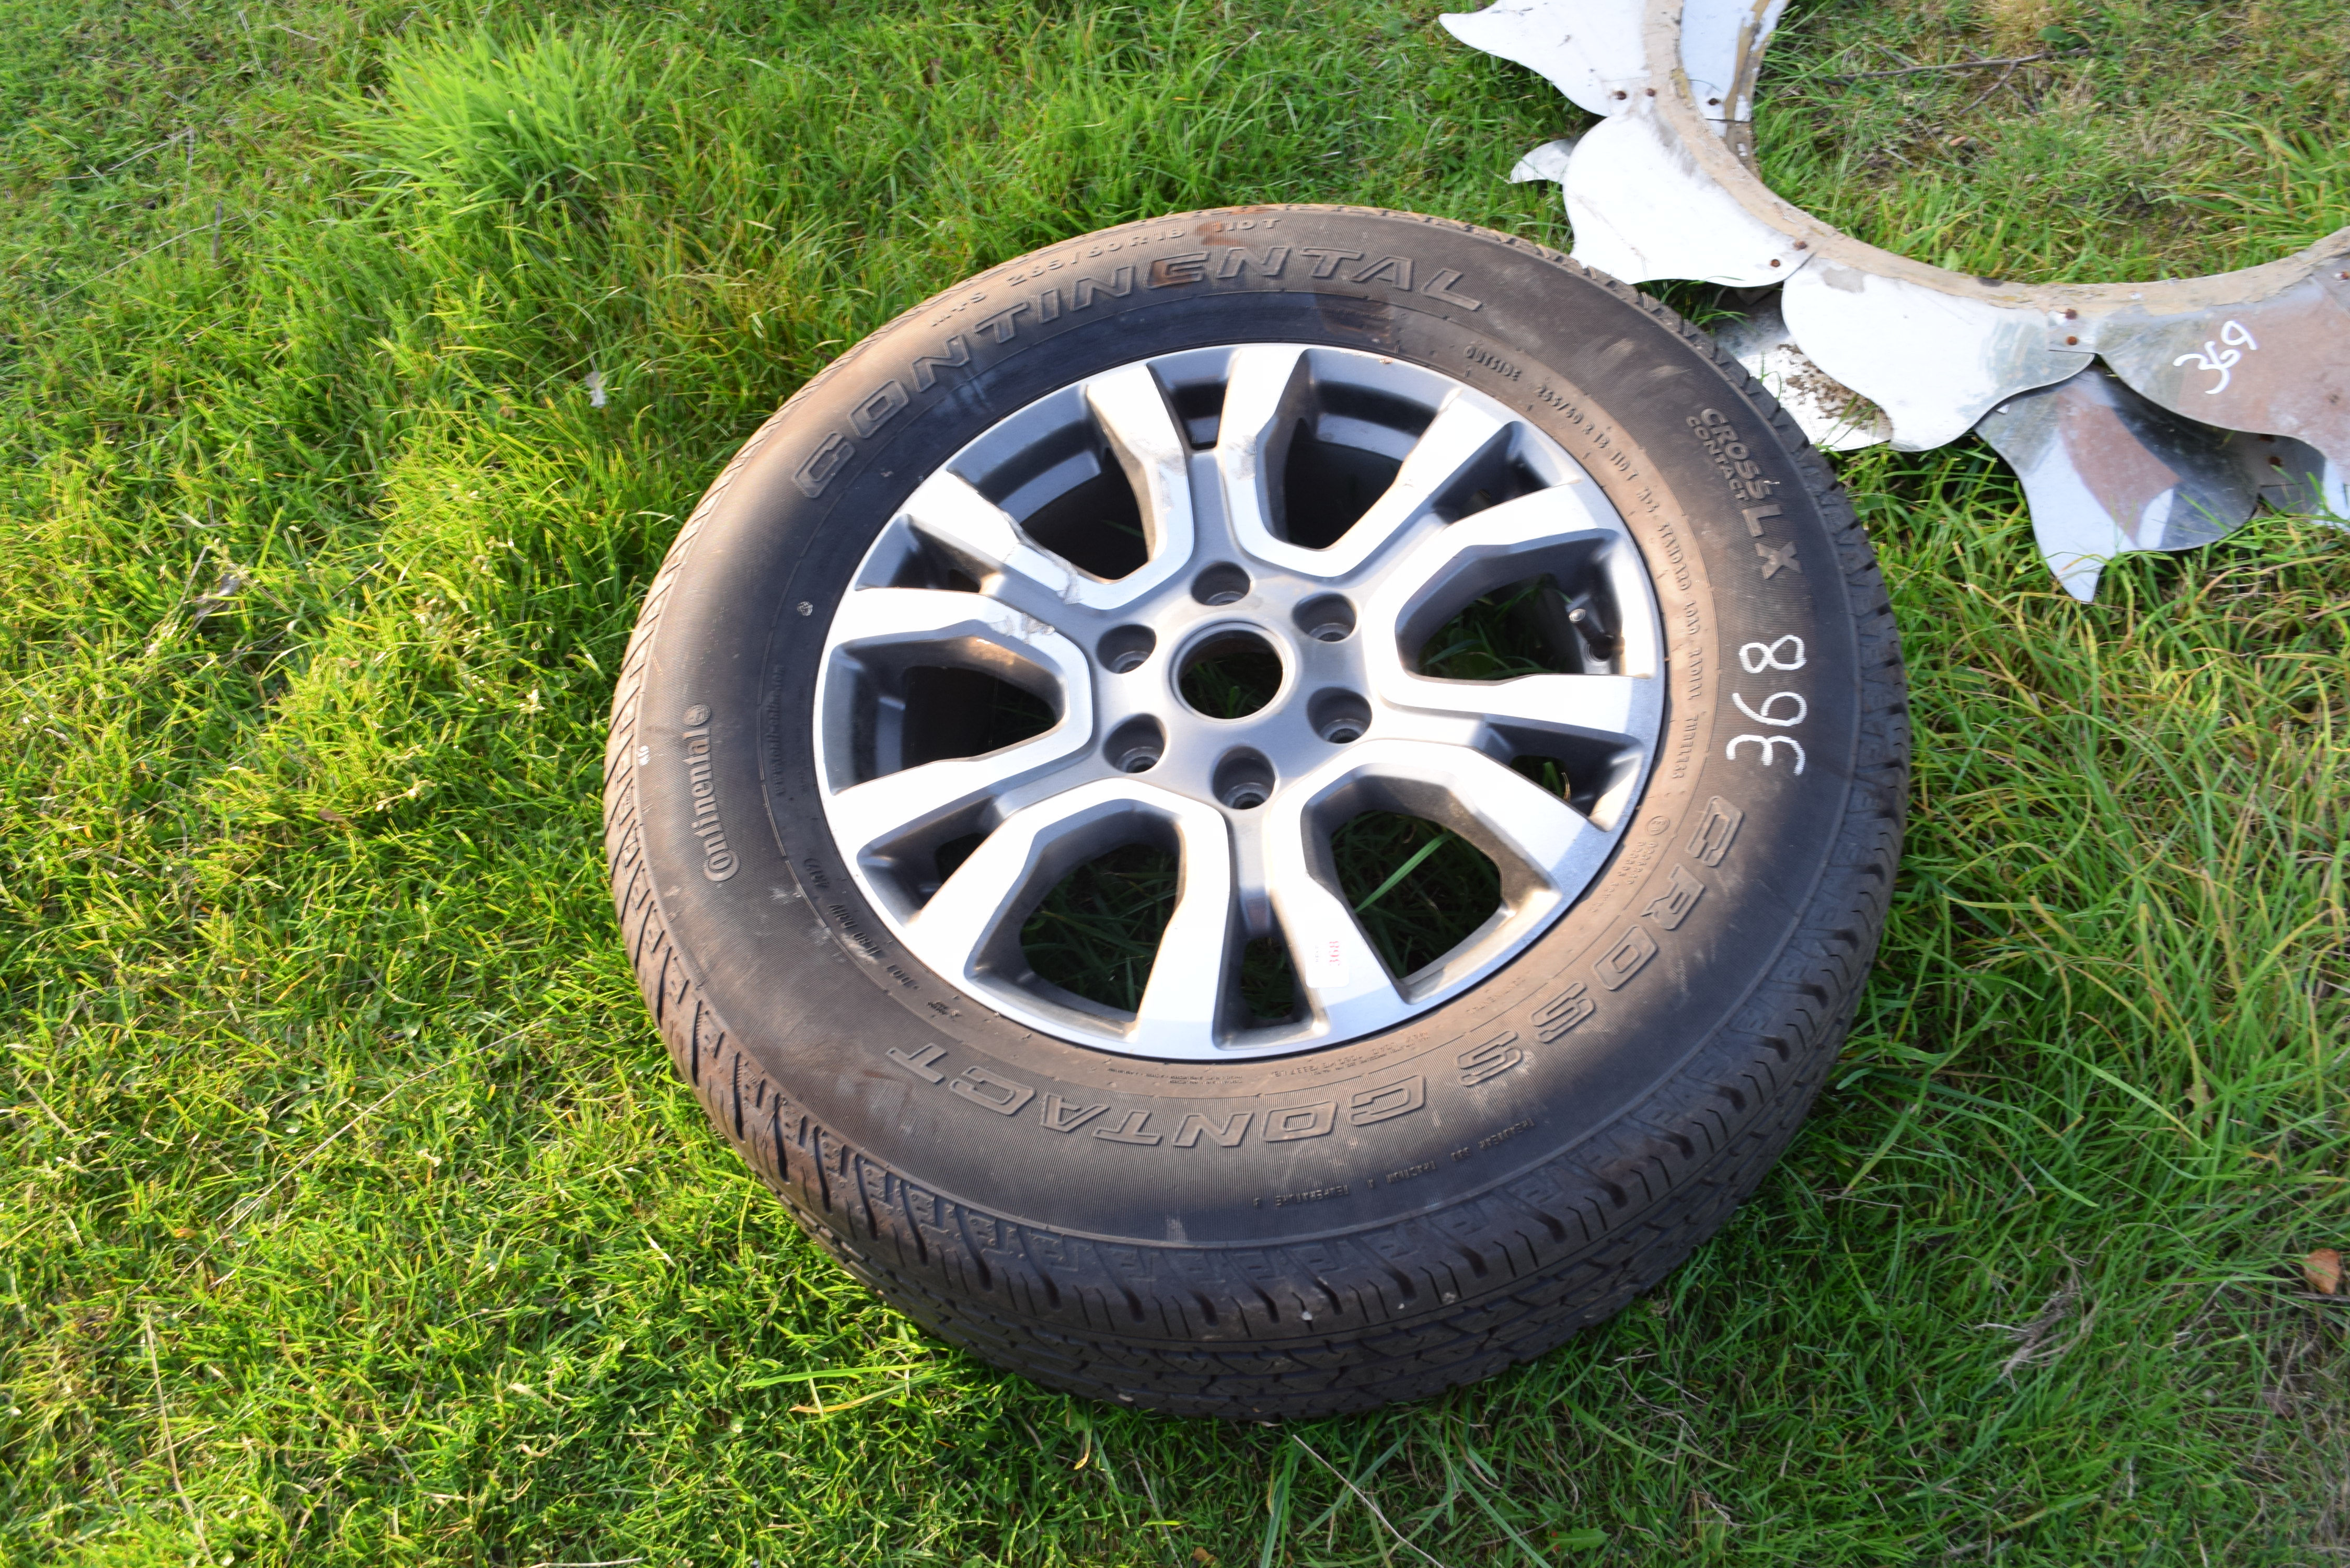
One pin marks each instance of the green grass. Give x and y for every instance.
(348, 1212)
(2161, 140)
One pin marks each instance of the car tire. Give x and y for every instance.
(1192, 1203)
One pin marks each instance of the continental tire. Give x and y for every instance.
(1305, 436)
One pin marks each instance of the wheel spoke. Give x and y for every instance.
(982, 537)
(1538, 841)
(1191, 984)
(1544, 849)
(1150, 446)
(873, 618)
(1448, 569)
(971, 923)
(1346, 983)
(1618, 710)
(907, 626)
(1269, 389)
(869, 818)
(1461, 436)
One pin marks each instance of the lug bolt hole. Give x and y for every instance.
(1126, 648)
(1338, 716)
(1243, 780)
(1221, 584)
(1136, 746)
(1326, 617)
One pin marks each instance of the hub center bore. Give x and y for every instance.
(1230, 674)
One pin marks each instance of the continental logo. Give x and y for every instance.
(718, 861)
(1076, 280)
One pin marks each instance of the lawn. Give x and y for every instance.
(358, 362)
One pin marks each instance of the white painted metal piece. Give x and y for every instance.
(1722, 46)
(1547, 162)
(1833, 416)
(2105, 471)
(1666, 189)
(1643, 208)
(1592, 53)
(1934, 361)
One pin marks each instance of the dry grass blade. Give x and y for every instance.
(1364, 1497)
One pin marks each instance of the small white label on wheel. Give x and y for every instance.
(1327, 964)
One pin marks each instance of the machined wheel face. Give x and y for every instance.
(1187, 604)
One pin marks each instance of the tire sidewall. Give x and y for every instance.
(1693, 913)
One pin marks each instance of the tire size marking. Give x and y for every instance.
(1478, 355)
(1783, 653)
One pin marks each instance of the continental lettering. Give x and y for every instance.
(1082, 292)
(1441, 288)
(1397, 270)
(957, 357)
(878, 409)
(1326, 262)
(1004, 325)
(1231, 260)
(719, 862)
(825, 461)
(1226, 1134)
(1173, 272)
(1290, 1123)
